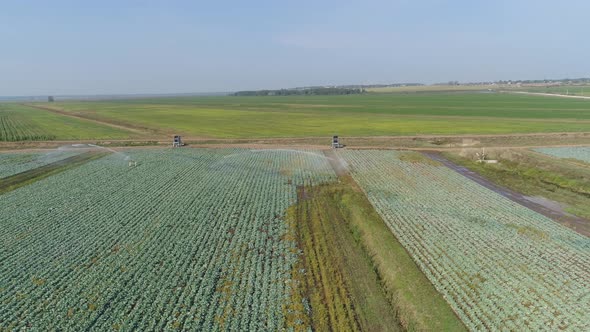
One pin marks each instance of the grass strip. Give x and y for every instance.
(354, 274)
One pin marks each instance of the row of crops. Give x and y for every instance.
(189, 239)
(14, 127)
(13, 163)
(579, 153)
(500, 265)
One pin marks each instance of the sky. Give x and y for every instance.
(134, 47)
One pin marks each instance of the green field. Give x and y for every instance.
(22, 123)
(297, 116)
(574, 90)
(353, 115)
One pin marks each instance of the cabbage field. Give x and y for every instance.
(189, 239)
(12, 163)
(197, 239)
(579, 153)
(500, 265)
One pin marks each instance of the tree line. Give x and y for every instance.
(301, 92)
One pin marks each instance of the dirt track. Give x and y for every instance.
(420, 142)
(551, 211)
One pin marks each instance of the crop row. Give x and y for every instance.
(189, 239)
(580, 153)
(16, 128)
(499, 265)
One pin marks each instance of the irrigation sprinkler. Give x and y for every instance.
(481, 156)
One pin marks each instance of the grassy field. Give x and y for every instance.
(21, 123)
(354, 115)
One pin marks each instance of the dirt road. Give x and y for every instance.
(552, 211)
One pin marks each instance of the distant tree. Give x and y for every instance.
(50, 99)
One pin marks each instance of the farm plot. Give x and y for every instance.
(499, 265)
(15, 127)
(189, 239)
(23, 123)
(579, 153)
(13, 163)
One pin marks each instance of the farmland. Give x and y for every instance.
(499, 265)
(190, 237)
(17, 162)
(572, 90)
(193, 257)
(577, 153)
(562, 183)
(295, 239)
(354, 115)
(22, 123)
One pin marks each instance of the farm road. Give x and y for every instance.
(552, 211)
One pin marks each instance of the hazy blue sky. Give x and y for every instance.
(106, 47)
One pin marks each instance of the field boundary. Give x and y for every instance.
(419, 142)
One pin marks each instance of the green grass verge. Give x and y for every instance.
(355, 268)
(417, 304)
